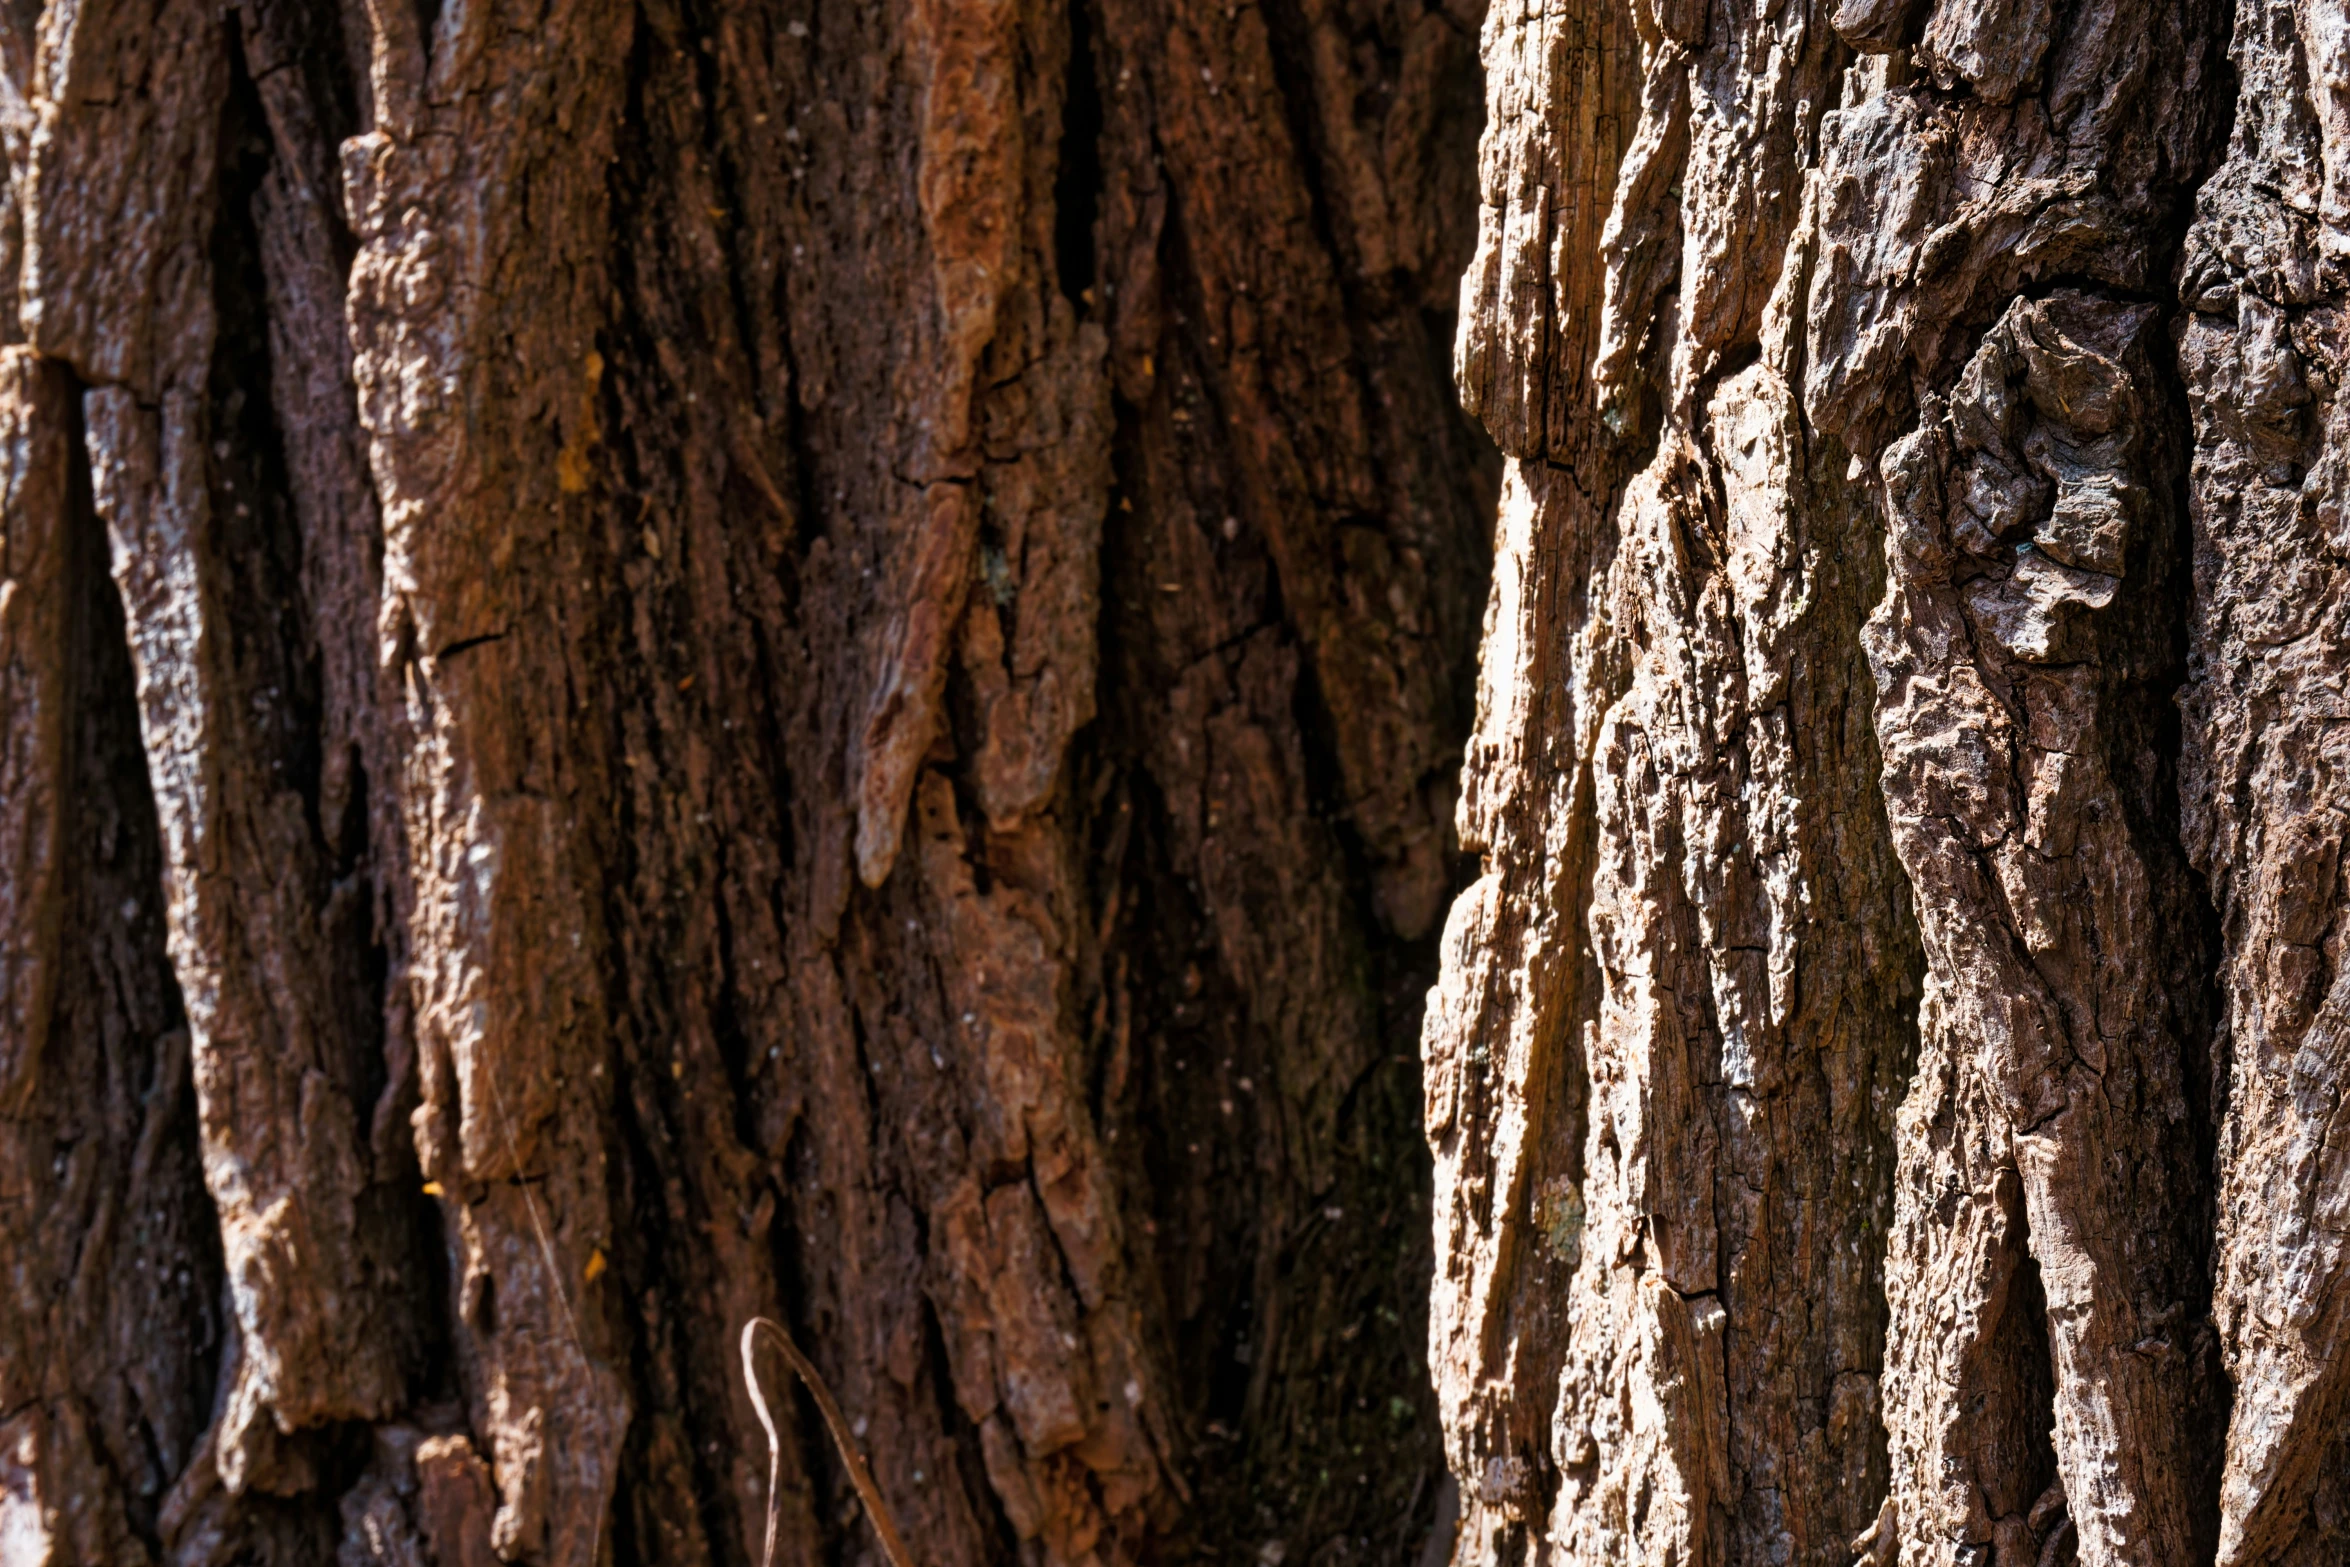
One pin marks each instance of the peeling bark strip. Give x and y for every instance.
(789, 660)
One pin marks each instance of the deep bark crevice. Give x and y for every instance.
(1077, 186)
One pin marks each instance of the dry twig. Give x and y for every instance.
(892, 1544)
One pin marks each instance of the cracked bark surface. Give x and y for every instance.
(1882, 1111)
(663, 662)
(757, 659)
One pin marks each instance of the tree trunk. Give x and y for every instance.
(666, 662)
(790, 659)
(1887, 1082)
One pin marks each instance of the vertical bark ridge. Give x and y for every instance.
(113, 1321)
(2022, 653)
(2065, 1004)
(1507, 1080)
(1660, 1068)
(482, 159)
(2263, 353)
(128, 251)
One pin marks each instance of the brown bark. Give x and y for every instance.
(1759, 305)
(110, 1329)
(1672, 1025)
(2263, 353)
(664, 663)
(792, 660)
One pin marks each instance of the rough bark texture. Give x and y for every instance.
(1673, 1021)
(789, 659)
(1889, 1109)
(665, 661)
(2264, 353)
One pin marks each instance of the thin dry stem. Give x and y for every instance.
(892, 1544)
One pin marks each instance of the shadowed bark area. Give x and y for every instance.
(791, 659)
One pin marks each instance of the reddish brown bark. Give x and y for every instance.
(663, 663)
(792, 660)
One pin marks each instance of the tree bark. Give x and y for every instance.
(1883, 1080)
(664, 662)
(791, 660)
